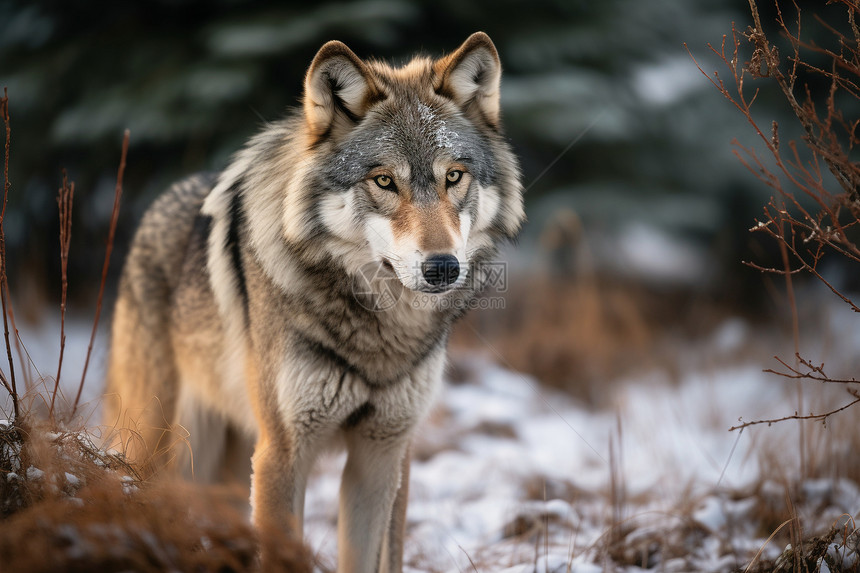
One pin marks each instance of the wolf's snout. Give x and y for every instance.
(441, 270)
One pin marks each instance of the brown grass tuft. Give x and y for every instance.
(581, 333)
(37, 464)
(168, 527)
(69, 506)
(567, 333)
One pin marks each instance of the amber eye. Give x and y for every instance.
(454, 177)
(384, 182)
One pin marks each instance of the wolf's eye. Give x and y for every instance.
(454, 177)
(384, 182)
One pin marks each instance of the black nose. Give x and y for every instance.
(441, 270)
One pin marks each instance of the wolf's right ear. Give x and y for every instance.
(338, 89)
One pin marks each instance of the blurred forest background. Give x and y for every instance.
(624, 144)
(627, 288)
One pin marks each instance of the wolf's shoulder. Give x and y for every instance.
(174, 211)
(183, 197)
(167, 228)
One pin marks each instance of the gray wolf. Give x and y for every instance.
(247, 319)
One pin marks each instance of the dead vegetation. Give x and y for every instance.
(814, 214)
(67, 504)
(37, 463)
(565, 333)
(60, 490)
(814, 218)
(584, 333)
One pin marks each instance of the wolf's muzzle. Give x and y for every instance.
(441, 270)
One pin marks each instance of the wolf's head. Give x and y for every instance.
(407, 166)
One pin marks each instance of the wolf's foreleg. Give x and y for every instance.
(371, 481)
(280, 471)
(392, 548)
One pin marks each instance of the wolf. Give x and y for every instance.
(303, 297)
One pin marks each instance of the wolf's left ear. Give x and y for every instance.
(338, 88)
(471, 76)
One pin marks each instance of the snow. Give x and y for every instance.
(128, 486)
(512, 476)
(436, 127)
(468, 501)
(42, 344)
(34, 473)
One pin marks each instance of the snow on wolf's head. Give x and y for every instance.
(409, 164)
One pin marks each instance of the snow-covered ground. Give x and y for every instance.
(503, 460)
(511, 476)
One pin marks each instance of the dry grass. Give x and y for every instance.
(566, 334)
(69, 506)
(35, 463)
(814, 214)
(154, 529)
(580, 333)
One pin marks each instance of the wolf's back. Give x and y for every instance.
(142, 365)
(160, 244)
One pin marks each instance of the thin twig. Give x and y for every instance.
(65, 198)
(10, 384)
(815, 373)
(4, 112)
(816, 417)
(804, 235)
(19, 348)
(795, 330)
(111, 235)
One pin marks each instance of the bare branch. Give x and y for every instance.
(814, 372)
(65, 198)
(10, 384)
(815, 417)
(111, 235)
(804, 234)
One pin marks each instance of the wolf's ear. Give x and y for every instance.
(471, 76)
(338, 88)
